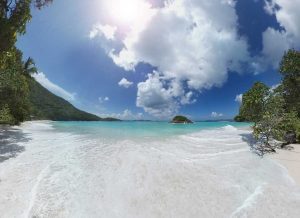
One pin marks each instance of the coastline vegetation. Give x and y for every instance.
(21, 97)
(14, 72)
(275, 111)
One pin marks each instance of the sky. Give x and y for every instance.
(153, 59)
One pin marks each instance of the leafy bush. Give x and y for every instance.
(253, 104)
(275, 112)
(5, 116)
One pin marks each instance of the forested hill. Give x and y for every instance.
(21, 97)
(47, 106)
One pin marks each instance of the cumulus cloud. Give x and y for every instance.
(161, 97)
(276, 42)
(57, 90)
(192, 44)
(216, 115)
(287, 14)
(154, 98)
(125, 83)
(273, 54)
(183, 40)
(103, 30)
(239, 98)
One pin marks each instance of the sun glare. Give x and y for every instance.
(125, 12)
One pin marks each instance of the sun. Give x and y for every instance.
(125, 12)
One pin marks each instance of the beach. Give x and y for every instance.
(140, 169)
(290, 159)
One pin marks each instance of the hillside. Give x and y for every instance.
(47, 106)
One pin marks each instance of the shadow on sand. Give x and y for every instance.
(9, 139)
(255, 146)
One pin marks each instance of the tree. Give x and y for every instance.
(290, 70)
(14, 90)
(29, 67)
(239, 118)
(253, 103)
(275, 124)
(14, 15)
(14, 73)
(268, 127)
(5, 115)
(275, 113)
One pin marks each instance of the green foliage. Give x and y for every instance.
(14, 73)
(290, 64)
(290, 70)
(13, 19)
(14, 15)
(275, 112)
(253, 103)
(14, 90)
(47, 106)
(275, 121)
(21, 97)
(5, 116)
(181, 119)
(239, 118)
(272, 117)
(297, 129)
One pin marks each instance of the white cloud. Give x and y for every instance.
(193, 45)
(272, 54)
(103, 99)
(239, 98)
(287, 14)
(103, 30)
(125, 83)
(187, 98)
(269, 7)
(125, 115)
(276, 42)
(57, 90)
(155, 99)
(216, 115)
(161, 97)
(183, 40)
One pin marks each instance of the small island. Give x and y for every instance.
(181, 119)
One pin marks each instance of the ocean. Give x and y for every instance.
(141, 170)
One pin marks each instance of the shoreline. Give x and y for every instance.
(290, 160)
(59, 171)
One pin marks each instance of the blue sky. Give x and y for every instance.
(151, 59)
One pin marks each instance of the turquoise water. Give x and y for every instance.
(139, 129)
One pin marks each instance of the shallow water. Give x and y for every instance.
(143, 169)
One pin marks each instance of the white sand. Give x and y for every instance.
(64, 171)
(290, 159)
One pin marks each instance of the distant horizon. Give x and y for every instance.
(133, 62)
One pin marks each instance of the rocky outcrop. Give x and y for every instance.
(290, 137)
